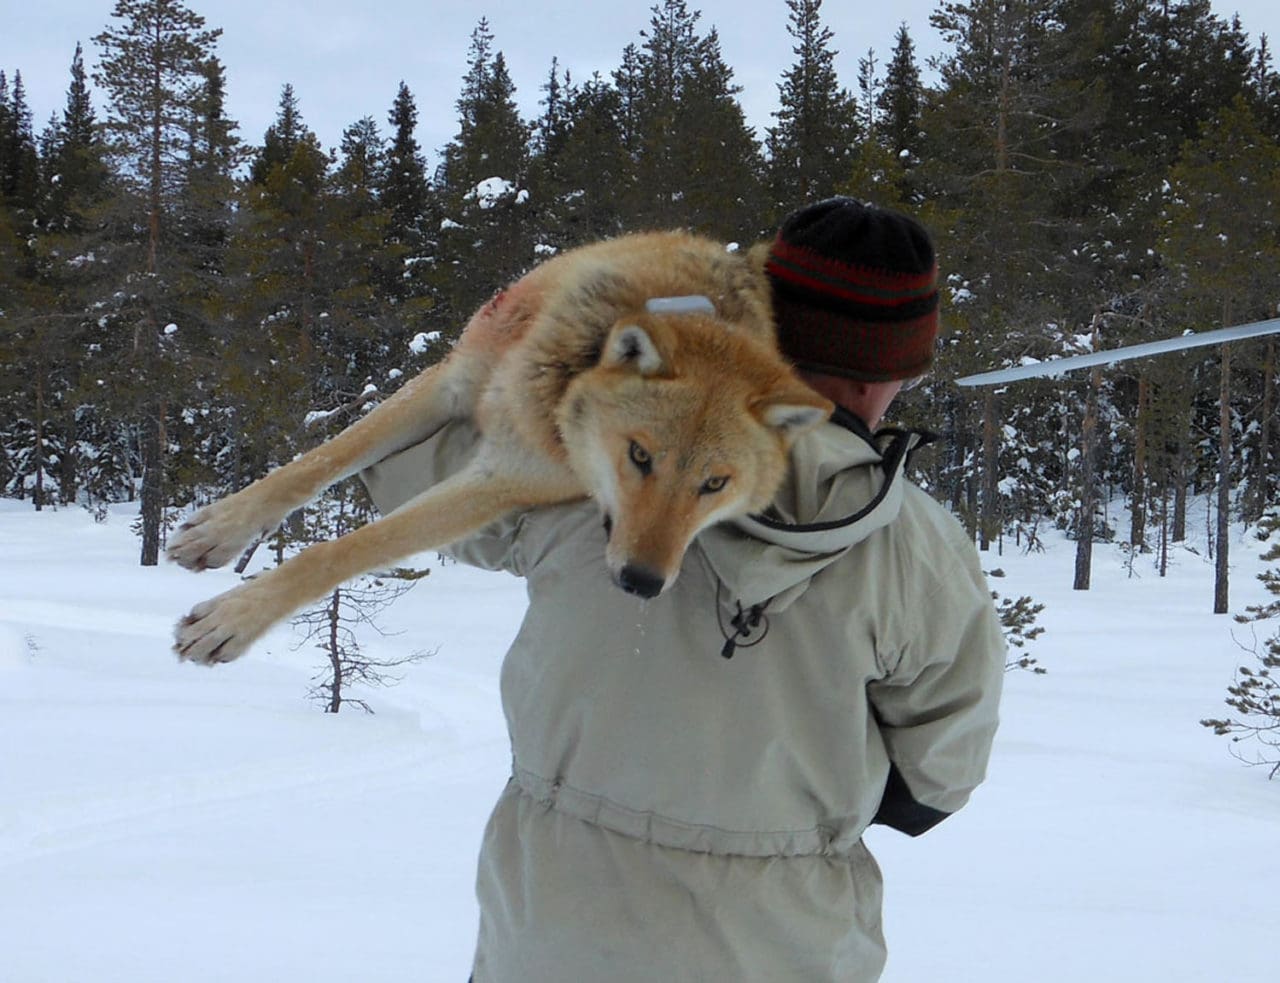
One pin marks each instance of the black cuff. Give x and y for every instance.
(901, 811)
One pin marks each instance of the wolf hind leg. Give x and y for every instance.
(222, 629)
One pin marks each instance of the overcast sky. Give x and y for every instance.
(346, 60)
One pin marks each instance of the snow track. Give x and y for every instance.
(80, 617)
(96, 814)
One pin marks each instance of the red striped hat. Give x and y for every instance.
(855, 291)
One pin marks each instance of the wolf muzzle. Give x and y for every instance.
(640, 581)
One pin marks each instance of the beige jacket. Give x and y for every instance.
(676, 815)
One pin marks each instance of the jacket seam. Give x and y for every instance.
(825, 834)
(940, 580)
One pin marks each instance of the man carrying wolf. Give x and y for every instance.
(692, 774)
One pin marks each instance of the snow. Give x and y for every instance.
(314, 417)
(422, 341)
(162, 821)
(491, 191)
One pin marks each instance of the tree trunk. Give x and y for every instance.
(1138, 506)
(958, 450)
(152, 481)
(971, 501)
(69, 462)
(155, 179)
(335, 651)
(1221, 569)
(1179, 531)
(1164, 528)
(989, 524)
(1084, 519)
(1084, 531)
(37, 495)
(1262, 493)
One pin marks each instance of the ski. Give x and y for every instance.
(1057, 366)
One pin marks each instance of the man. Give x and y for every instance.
(692, 774)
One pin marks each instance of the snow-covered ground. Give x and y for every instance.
(163, 822)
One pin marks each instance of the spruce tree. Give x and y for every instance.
(547, 161)
(810, 150)
(900, 103)
(274, 366)
(988, 156)
(492, 140)
(594, 170)
(151, 68)
(867, 111)
(18, 155)
(362, 273)
(64, 254)
(551, 129)
(412, 221)
(282, 137)
(361, 169)
(695, 161)
(406, 192)
(487, 234)
(668, 57)
(213, 155)
(1221, 242)
(75, 173)
(25, 325)
(6, 131)
(629, 85)
(723, 193)
(1265, 83)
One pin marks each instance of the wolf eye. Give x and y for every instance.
(713, 485)
(640, 458)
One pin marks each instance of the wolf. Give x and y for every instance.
(641, 372)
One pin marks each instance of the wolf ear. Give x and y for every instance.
(630, 345)
(792, 413)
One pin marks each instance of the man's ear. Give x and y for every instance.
(758, 256)
(630, 345)
(793, 411)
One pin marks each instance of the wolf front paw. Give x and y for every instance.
(218, 533)
(222, 628)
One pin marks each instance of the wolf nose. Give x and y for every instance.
(639, 581)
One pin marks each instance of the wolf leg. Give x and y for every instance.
(221, 629)
(216, 534)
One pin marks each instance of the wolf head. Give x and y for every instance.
(683, 423)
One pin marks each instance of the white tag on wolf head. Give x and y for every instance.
(693, 304)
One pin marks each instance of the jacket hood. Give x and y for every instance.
(844, 484)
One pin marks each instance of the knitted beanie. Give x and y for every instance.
(855, 291)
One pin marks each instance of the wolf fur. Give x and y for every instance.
(672, 415)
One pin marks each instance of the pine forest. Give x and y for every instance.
(184, 306)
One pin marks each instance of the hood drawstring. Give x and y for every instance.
(744, 623)
(805, 546)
